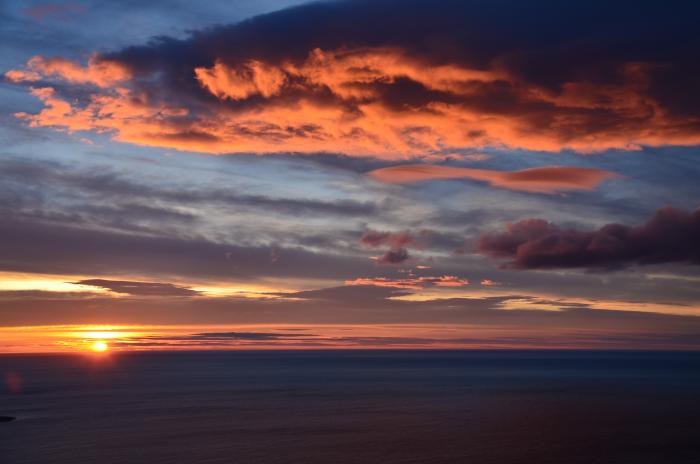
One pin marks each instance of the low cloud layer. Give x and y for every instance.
(361, 316)
(427, 79)
(670, 236)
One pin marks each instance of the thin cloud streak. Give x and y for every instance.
(550, 179)
(130, 287)
(411, 283)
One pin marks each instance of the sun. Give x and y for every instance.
(99, 346)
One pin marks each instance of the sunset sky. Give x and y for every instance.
(368, 174)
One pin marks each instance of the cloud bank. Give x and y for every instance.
(428, 78)
(670, 236)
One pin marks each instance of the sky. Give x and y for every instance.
(349, 174)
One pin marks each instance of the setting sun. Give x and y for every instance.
(99, 346)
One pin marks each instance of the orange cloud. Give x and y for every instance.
(411, 283)
(540, 180)
(253, 78)
(99, 72)
(371, 101)
(126, 115)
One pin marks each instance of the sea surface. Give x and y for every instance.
(333, 407)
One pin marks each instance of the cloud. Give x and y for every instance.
(395, 256)
(24, 248)
(253, 340)
(234, 336)
(253, 78)
(102, 73)
(397, 242)
(140, 288)
(427, 80)
(670, 236)
(411, 283)
(549, 179)
(111, 221)
(124, 190)
(375, 238)
(360, 293)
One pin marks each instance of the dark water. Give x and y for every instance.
(353, 407)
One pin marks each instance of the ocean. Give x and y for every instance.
(333, 407)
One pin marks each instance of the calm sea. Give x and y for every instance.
(333, 407)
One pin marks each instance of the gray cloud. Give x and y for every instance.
(25, 247)
(140, 288)
(109, 184)
(367, 293)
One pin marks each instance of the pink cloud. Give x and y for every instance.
(550, 179)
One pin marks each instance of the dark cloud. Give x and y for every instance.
(366, 293)
(670, 236)
(398, 242)
(233, 336)
(590, 339)
(43, 295)
(334, 161)
(396, 256)
(454, 30)
(140, 288)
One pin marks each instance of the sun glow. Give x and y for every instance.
(99, 346)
